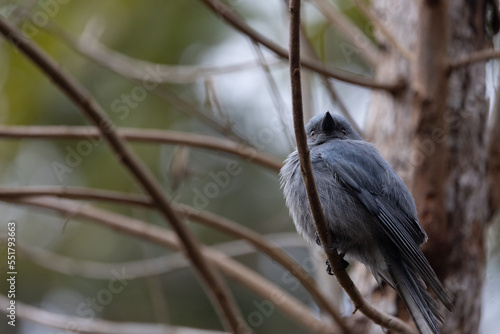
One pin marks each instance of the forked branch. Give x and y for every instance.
(234, 20)
(218, 291)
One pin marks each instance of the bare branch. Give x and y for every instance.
(478, 56)
(328, 84)
(139, 69)
(83, 325)
(209, 219)
(134, 227)
(151, 79)
(374, 19)
(324, 234)
(350, 31)
(146, 135)
(233, 19)
(279, 104)
(218, 291)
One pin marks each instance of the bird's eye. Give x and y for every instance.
(344, 132)
(311, 134)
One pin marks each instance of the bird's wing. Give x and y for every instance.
(361, 170)
(374, 182)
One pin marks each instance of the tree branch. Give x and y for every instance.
(328, 84)
(208, 219)
(136, 228)
(478, 56)
(234, 20)
(219, 293)
(350, 31)
(324, 234)
(151, 79)
(146, 135)
(374, 19)
(83, 325)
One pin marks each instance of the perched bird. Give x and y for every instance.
(370, 213)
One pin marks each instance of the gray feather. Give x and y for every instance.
(370, 212)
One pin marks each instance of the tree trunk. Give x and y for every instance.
(433, 134)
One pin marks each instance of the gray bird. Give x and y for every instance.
(370, 213)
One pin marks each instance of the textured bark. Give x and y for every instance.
(463, 266)
(433, 134)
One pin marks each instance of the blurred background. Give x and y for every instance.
(167, 65)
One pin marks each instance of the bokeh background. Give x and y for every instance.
(214, 72)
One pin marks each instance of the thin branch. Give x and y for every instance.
(152, 233)
(328, 84)
(151, 80)
(324, 234)
(350, 31)
(141, 268)
(209, 219)
(83, 325)
(218, 291)
(279, 104)
(234, 20)
(375, 20)
(478, 56)
(146, 135)
(139, 69)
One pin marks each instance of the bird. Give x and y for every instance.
(370, 213)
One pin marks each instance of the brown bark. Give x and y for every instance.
(433, 134)
(467, 206)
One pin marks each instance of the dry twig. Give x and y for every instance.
(146, 135)
(374, 19)
(478, 56)
(350, 31)
(233, 19)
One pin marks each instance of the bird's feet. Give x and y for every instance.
(345, 264)
(318, 242)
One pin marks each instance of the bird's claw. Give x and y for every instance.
(345, 264)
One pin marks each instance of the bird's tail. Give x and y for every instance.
(422, 307)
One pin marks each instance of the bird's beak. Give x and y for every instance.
(328, 123)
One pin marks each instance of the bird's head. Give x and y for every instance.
(323, 128)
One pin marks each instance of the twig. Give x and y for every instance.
(147, 135)
(139, 69)
(478, 56)
(374, 19)
(83, 325)
(219, 292)
(324, 234)
(152, 233)
(350, 31)
(151, 80)
(233, 19)
(279, 104)
(209, 219)
(328, 84)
